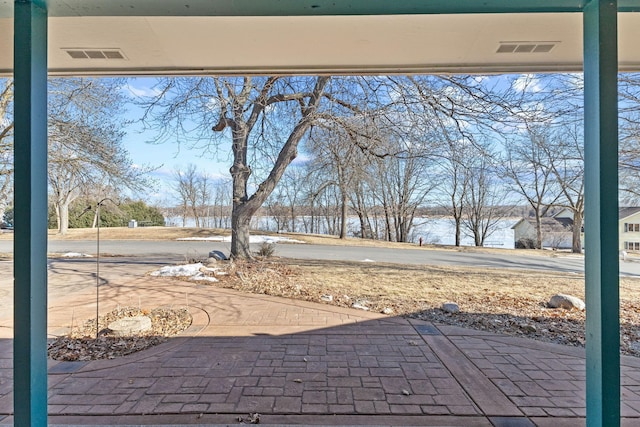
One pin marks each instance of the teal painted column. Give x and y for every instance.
(30, 235)
(601, 213)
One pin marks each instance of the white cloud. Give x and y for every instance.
(302, 159)
(527, 83)
(141, 91)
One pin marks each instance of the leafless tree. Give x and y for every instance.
(403, 186)
(291, 187)
(566, 152)
(188, 191)
(221, 209)
(343, 162)
(482, 208)
(195, 192)
(528, 170)
(314, 184)
(242, 110)
(453, 179)
(277, 211)
(455, 113)
(85, 141)
(363, 203)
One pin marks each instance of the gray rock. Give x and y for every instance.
(130, 325)
(567, 302)
(327, 298)
(387, 310)
(450, 307)
(527, 327)
(360, 306)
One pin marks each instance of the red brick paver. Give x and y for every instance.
(303, 363)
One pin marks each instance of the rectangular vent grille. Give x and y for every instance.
(526, 47)
(95, 53)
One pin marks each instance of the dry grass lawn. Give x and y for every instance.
(172, 233)
(503, 301)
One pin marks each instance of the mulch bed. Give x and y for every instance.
(82, 344)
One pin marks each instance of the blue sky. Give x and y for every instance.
(166, 157)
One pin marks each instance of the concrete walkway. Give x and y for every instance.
(300, 363)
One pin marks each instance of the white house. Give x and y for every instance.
(629, 228)
(556, 232)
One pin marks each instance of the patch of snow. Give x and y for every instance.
(75, 255)
(190, 271)
(207, 239)
(203, 277)
(186, 270)
(252, 239)
(367, 260)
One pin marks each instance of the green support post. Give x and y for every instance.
(601, 213)
(30, 236)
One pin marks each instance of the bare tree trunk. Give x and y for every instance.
(538, 229)
(292, 212)
(477, 237)
(576, 246)
(457, 217)
(240, 215)
(240, 220)
(244, 207)
(63, 218)
(343, 214)
(196, 216)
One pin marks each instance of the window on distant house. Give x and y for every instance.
(632, 246)
(631, 227)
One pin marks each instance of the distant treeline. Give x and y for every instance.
(82, 214)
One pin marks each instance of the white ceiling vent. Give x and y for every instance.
(78, 53)
(526, 47)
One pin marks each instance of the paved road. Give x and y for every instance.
(176, 251)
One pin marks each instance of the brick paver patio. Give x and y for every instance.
(302, 363)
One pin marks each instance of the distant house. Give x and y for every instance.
(556, 232)
(629, 228)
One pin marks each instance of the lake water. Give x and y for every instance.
(433, 230)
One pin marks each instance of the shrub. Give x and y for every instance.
(267, 250)
(525, 243)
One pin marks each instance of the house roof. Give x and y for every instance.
(549, 224)
(143, 37)
(625, 212)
